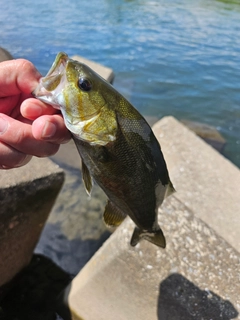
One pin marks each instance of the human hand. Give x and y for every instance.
(28, 127)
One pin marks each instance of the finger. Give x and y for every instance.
(6, 103)
(19, 136)
(12, 158)
(51, 128)
(32, 109)
(17, 76)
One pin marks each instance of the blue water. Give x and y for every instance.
(179, 58)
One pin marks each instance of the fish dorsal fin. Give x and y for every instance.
(87, 179)
(112, 216)
(170, 190)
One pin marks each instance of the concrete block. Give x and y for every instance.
(5, 55)
(208, 133)
(197, 275)
(206, 182)
(27, 195)
(68, 155)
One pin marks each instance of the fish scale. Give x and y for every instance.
(117, 146)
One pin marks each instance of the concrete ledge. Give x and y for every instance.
(206, 182)
(194, 278)
(197, 275)
(5, 55)
(207, 133)
(27, 195)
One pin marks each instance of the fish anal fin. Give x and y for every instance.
(112, 216)
(87, 179)
(156, 237)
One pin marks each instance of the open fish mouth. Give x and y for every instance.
(60, 61)
(51, 85)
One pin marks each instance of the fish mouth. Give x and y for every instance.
(50, 85)
(60, 61)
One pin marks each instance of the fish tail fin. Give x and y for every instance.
(135, 237)
(170, 190)
(156, 237)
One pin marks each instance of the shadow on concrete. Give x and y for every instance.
(62, 308)
(180, 299)
(33, 293)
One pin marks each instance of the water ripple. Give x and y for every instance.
(177, 57)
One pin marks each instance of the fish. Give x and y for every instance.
(118, 148)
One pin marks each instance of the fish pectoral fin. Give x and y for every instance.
(112, 216)
(156, 237)
(87, 179)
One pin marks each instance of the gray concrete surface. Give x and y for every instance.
(197, 276)
(207, 133)
(5, 55)
(206, 182)
(27, 195)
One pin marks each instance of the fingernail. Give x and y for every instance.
(38, 111)
(3, 125)
(31, 110)
(49, 130)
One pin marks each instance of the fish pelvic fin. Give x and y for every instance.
(155, 237)
(112, 216)
(87, 179)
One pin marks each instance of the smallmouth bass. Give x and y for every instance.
(117, 146)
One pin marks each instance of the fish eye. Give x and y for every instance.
(84, 84)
